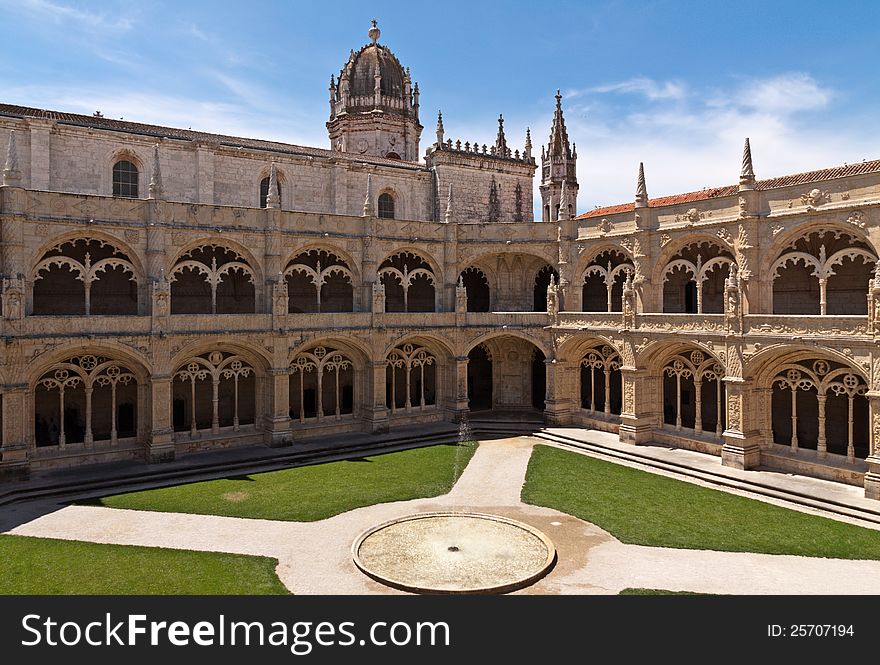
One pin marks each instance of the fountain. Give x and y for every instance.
(454, 552)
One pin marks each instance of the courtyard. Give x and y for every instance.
(616, 526)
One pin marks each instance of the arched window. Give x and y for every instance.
(693, 393)
(212, 280)
(84, 400)
(603, 282)
(228, 402)
(477, 287)
(693, 280)
(319, 281)
(321, 384)
(542, 281)
(411, 378)
(601, 381)
(409, 283)
(125, 179)
(85, 276)
(264, 191)
(386, 206)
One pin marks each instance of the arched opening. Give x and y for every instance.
(542, 281)
(386, 206)
(392, 155)
(264, 191)
(820, 405)
(479, 378)
(212, 392)
(411, 379)
(824, 272)
(603, 282)
(693, 393)
(409, 283)
(321, 385)
(83, 400)
(319, 281)
(601, 382)
(539, 380)
(693, 280)
(212, 280)
(125, 179)
(477, 286)
(85, 277)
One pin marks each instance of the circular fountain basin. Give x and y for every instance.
(454, 553)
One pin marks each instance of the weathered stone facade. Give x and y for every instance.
(740, 321)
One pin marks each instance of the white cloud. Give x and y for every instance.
(638, 85)
(693, 140)
(59, 13)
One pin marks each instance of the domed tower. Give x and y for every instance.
(374, 108)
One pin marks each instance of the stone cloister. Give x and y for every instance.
(215, 292)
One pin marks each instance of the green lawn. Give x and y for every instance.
(310, 493)
(647, 509)
(46, 566)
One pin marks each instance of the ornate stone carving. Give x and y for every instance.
(815, 197)
(42, 230)
(857, 219)
(664, 239)
(605, 227)
(776, 229)
(738, 244)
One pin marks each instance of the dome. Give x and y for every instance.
(362, 70)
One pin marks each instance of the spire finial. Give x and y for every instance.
(500, 139)
(641, 188)
(272, 198)
(440, 129)
(374, 33)
(747, 175)
(368, 201)
(11, 174)
(156, 175)
(448, 216)
(527, 153)
(558, 99)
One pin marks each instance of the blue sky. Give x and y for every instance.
(677, 85)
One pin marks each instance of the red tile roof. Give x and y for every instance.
(729, 190)
(158, 131)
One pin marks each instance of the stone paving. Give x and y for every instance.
(315, 557)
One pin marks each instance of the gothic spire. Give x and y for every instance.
(11, 173)
(272, 198)
(156, 175)
(448, 216)
(440, 128)
(559, 146)
(747, 175)
(500, 140)
(641, 189)
(527, 153)
(368, 201)
(563, 203)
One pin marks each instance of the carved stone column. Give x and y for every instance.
(558, 403)
(160, 447)
(377, 411)
(872, 477)
(460, 405)
(14, 451)
(277, 420)
(741, 449)
(642, 406)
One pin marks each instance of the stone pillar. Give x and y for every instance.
(460, 405)
(642, 407)
(741, 449)
(872, 477)
(160, 447)
(14, 450)
(277, 420)
(558, 405)
(377, 411)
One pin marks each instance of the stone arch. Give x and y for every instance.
(601, 281)
(86, 274)
(219, 387)
(93, 396)
(599, 380)
(512, 369)
(691, 275)
(319, 280)
(822, 271)
(800, 391)
(214, 277)
(411, 279)
(790, 236)
(419, 370)
(478, 289)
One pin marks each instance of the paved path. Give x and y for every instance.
(315, 557)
